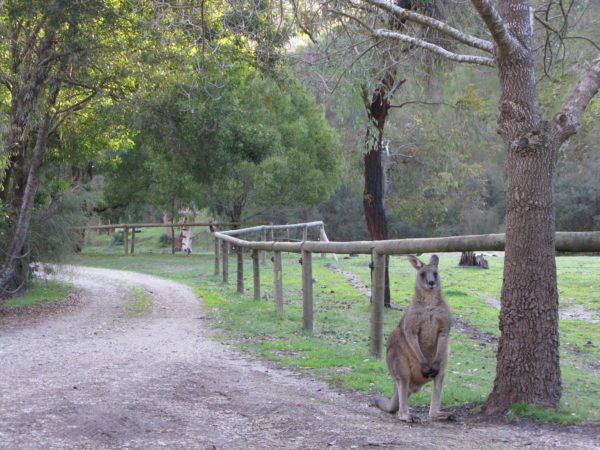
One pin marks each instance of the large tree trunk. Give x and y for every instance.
(528, 367)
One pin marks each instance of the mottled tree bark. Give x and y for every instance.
(528, 366)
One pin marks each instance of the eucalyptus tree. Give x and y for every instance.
(241, 139)
(528, 359)
(57, 57)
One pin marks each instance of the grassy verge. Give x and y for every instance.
(40, 292)
(141, 302)
(337, 351)
(147, 240)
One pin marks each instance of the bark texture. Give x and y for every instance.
(528, 367)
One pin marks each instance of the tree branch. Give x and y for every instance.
(419, 102)
(566, 122)
(468, 59)
(558, 33)
(505, 41)
(430, 22)
(66, 112)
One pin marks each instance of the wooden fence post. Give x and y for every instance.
(225, 255)
(240, 269)
(322, 237)
(217, 250)
(305, 234)
(307, 291)
(256, 273)
(278, 282)
(172, 240)
(377, 297)
(132, 240)
(263, 254)
(126, 239)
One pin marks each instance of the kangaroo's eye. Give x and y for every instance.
(423, 275)
(434, 274)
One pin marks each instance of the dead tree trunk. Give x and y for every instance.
(373, 203)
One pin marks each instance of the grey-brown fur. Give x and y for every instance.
(417, 349)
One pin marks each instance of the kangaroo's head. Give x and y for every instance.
(427, 276)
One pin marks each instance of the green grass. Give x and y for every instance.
(537, 413)
(147, 240)
(40, 292)
(337, 351)
(141, 303)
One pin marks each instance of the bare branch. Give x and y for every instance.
(549, 27)
(351, 17)
(456, 57)
(505, 41)
(567, 120)
(430, 22)
(61, 115)
(419, 102)
(349, 67)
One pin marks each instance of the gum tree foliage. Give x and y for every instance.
(234, 140)
(528, 360)
(57, 58)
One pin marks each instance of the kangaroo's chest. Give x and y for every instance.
(429, 323)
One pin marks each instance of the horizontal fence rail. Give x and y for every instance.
(155, 225)
(135, 226)
(585, 241)
(588, 241)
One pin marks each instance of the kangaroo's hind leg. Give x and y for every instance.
(402, 386)
(436, 400)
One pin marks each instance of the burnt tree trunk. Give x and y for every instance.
(378, 105)
(373, 201)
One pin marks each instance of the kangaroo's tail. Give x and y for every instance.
(389, 405)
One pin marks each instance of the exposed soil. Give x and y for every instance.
(351, 277)
(89, 374)
(566, 311)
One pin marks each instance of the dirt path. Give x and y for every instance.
(96, 376)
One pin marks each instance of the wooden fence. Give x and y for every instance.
(136, 226)
(565, 241)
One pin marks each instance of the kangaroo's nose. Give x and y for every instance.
(432, 283)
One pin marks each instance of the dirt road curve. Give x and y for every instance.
(95, 376)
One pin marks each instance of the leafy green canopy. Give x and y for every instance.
(226, 141)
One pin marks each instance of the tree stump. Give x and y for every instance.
(470, 259)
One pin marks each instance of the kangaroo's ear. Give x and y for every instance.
(416, 262)
(434, 260)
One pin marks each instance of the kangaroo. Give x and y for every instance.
(417, 349)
